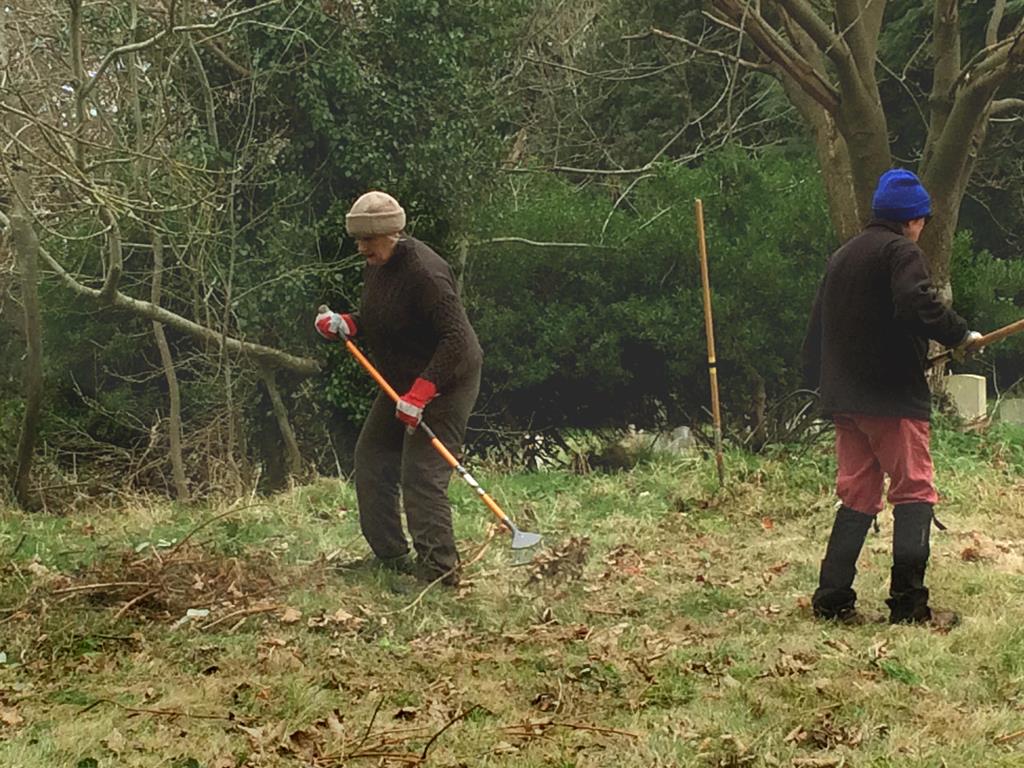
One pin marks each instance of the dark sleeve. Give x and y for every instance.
(916, 299)
(811, 353)
(443, 310)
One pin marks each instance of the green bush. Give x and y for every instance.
(989, 292)
(613, 332)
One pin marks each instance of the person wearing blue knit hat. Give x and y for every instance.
(900, 197)
(866, 348)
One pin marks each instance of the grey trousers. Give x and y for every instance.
(392, 466)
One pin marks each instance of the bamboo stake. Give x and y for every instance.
(709, 327)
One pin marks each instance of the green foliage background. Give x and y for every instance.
(614, 333)
(435, 101)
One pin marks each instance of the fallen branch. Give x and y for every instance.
(13, 552)
(402, 757)
(476, 558)
(240, 612)
(198, 528)
(107, 585)
(449, 724)
(162, 712)
(373, 719)
(124, 608)
(532, 726)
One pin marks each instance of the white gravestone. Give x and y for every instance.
(968, 393)
(1012, 410)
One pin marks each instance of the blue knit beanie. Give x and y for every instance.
(900, 197)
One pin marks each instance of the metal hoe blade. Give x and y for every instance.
(524, 539)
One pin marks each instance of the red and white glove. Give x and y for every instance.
(333, 326)
(409, 410)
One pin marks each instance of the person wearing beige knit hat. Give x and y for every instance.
(375, 221)
(417, 331)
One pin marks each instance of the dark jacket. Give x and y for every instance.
(876, 308)
(413, 320)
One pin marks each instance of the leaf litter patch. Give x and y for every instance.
(188, 584)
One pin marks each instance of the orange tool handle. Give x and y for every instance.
(363, 361)
(434, 440)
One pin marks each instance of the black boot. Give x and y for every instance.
(835, 597)
(908, 596)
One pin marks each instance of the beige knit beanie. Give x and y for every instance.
(375, 213)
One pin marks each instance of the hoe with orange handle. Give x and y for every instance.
(520, 539)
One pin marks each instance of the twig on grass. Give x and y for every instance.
(243, 612)
(202, 525)
(13, 613)
(1008, 738)
(603, 611)
(403, 757)
(13, 552)
(449, 724)
(369, 726)
(161, 712)
(819, 762)
(132, 602)
(379, 751)
(530, 727)
(472, 561)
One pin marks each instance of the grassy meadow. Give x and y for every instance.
(664, 623)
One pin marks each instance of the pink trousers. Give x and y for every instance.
(870, 447)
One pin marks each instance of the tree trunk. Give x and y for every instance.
(461, 258)
(758, 415)
(167, 361)
(833, 160)
(281, 414)
(25, 244)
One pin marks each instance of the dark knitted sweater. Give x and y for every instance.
(866, 343)
(413, 320)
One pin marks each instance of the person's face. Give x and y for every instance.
(377, 249)
(913, 229)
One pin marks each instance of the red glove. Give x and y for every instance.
(409, 410)
(333, 326)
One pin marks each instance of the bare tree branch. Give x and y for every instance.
(991, 59)
(992, 31)
(221, 54)
(1002, 106)
(833, 46)
(946, 53)
(653, 72)
(524, 241)
(149, 42)
(779, 51)
(301, 365)
(25, 244)
(860, 22)
(267, 375)
(116, 265)
(753, 65)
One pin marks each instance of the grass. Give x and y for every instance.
(684, 640)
